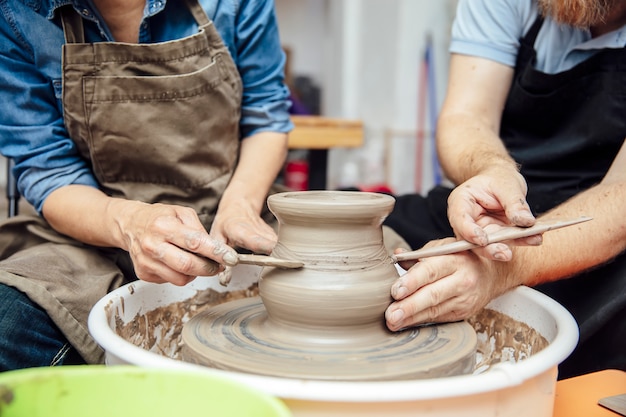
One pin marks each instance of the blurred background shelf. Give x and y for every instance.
(317, 135)
(318, 132)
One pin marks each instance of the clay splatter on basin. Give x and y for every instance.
(159, 330)
(500, 338)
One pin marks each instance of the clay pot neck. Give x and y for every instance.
(345, 283)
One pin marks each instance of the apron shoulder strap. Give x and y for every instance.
(532, 33)
(198, 12)
(72, 25)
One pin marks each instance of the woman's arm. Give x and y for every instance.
(264, 125)
(238, 220)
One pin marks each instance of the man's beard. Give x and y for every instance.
(578, 13)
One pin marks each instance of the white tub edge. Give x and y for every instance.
(502, 376)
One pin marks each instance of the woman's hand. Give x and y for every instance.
(169, 244)
(166, 243)
(239, 225)
(238, 220)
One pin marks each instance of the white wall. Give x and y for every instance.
(302, 25)
(367, 56)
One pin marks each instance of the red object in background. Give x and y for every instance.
(297, 175)
(377, 188)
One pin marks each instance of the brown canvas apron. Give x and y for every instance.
(159, 123)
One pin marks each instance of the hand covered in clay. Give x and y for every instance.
(483, 203)
(169, 244)
(239, 225)
(444, 289)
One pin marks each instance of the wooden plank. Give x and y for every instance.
(317, 132)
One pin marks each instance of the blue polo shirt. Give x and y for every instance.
(32, 131)
(492, 29)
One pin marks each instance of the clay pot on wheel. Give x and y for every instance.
(345, 284)
(326, 320)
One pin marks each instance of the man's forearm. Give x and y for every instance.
(468, 147)
(571, 250)
(469, 123)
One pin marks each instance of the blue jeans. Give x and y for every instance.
(28, 337)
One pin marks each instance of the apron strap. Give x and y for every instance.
(198, 12)
(531, 36)
(72, 25)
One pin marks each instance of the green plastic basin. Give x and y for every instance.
(118, 391)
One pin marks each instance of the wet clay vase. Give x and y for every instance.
(345, 284)
(326, 320)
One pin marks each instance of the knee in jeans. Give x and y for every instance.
(28, 336)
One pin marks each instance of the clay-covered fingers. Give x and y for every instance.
(495, 251)
(256, 237)
(193, 237)
(470, 209)
(171, 262)
(435, 290)
(160, 272)
(501, 251)
(169, 244)
(483, 200)
(243, 228)
(225, 276)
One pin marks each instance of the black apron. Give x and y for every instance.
(564, 130)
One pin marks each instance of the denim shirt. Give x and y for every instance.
(32, 130)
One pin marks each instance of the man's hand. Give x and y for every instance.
(444, 289)
(486, 202)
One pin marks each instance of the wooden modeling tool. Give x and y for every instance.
(264, 260)
(506, 233)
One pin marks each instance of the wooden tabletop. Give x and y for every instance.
(317, 132)
(578, 396)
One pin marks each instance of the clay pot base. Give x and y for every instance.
(239, 336)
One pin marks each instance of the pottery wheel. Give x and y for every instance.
(239, 336)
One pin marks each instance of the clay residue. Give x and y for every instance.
(500, 337)
(503, 339)
(159, 330)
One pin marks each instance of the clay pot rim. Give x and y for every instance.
(325, 198)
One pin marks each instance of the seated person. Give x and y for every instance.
(533, 125)
(136, 128)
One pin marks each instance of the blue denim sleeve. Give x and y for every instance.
(260, 59)
(31, 121)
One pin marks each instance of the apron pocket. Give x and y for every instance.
(153, 129)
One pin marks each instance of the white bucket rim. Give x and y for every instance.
(501, 376)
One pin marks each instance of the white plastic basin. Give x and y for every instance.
(523, 388)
